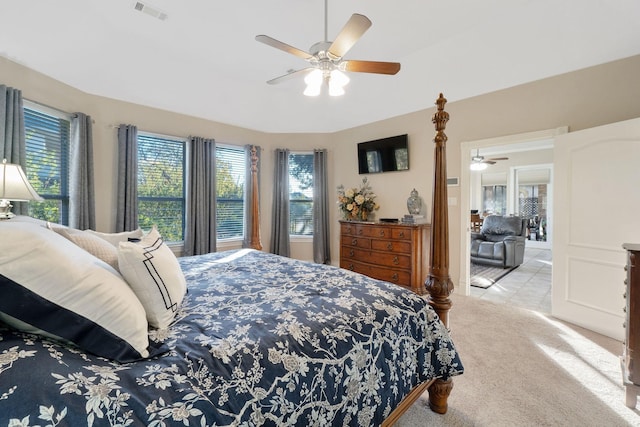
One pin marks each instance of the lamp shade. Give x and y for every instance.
(14, 184)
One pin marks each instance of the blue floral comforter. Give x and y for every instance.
(260, 340)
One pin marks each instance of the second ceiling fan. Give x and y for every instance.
(326, 59)
(478, 162)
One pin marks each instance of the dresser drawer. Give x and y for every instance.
(365, 230)
(362, 242)
(378, 258)
(391, 245)
(399, 277)
(401, 234)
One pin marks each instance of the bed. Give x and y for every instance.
(236, 338)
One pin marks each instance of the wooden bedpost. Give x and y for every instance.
(254, 239)
(438, 283)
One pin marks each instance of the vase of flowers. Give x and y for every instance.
(358, 203)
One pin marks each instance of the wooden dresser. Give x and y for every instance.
(396, 253)
(631, 356)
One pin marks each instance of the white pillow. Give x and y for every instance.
(54, 286)
(154, 274)
(91, 243)
(116, 238)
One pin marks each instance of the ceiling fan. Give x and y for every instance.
(478, 162)
(326, 58)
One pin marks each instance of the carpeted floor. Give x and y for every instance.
(483, 276)
(523, 368)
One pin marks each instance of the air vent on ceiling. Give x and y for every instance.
(150, 10)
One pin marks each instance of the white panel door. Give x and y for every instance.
(597, 209)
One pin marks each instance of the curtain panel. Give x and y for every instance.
(127, 207)
(321, 243)
(12, 136)
(200, 224)
(82, 213)
(280, 244)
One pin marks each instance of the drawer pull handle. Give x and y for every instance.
(360, 232)
(351, 267)
(395, 277)
(351, 252)
(381, 233)
(389, 246)
(354, 242)
(396, 261)
(401, 234)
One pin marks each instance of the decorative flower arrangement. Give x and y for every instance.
(357, 203)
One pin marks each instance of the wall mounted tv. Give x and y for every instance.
(384, 155)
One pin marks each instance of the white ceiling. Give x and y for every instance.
(203, 59)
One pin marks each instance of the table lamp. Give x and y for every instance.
(15, 186)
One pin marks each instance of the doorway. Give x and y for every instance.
(532, 192)
(530, 156)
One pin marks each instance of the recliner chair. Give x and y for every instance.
(500, 242)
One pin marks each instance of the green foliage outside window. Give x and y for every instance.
(301, 194)
(161, 186)
(230, 176)
(47, 145)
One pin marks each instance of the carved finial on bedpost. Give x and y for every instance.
(438, 283)
(254, 241)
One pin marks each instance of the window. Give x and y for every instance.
(230, 177)
(494, 199)
(161, 185)
(47, 150)
(301, 194)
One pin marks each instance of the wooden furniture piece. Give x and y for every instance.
(254, 236)
(476, 222)
(630, 359)
(396, 253)
(439, 284)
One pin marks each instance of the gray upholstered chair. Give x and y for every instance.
(500, 242)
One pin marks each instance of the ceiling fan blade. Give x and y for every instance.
(290, 75)
(372, 67)
(349, 35)
(499, 158)
(283, 46)
(489, 162)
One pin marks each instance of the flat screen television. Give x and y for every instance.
(384, 155)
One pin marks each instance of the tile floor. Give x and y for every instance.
(528, 286)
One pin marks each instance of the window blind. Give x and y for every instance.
(161, 185)
(230, 186)
(301, 194)
(47, 162)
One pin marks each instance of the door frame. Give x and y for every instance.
(513, 202)
(519, 142)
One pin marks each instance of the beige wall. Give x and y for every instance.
(580, 100)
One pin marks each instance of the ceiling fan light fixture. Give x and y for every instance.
(477, 166)
(335, 90)
(338, 78)
(314, 78)
(312, 90)
(314, 83)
